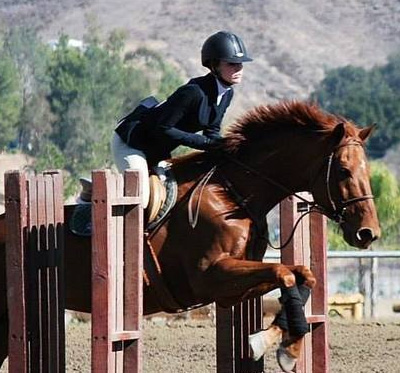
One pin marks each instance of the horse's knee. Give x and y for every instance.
(304, 276)
(310, 282)
(309, 278)
(285, 276)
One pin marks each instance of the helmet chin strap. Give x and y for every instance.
(216, 73)
(224, 82)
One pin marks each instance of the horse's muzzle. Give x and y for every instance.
(365, 236)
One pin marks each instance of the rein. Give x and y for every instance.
(201, 184)
(280, 186)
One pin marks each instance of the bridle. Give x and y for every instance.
(339, 208)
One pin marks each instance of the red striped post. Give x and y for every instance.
(234, 325)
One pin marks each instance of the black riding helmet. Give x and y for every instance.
(223, 46)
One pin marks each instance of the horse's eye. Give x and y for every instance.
(343, 173)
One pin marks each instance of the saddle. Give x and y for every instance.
(163, 195)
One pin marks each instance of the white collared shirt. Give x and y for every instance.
(221, 91)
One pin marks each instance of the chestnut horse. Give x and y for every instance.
(270, 153)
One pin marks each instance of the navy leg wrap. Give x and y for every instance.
(292, 317)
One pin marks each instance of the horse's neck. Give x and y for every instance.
(253, 188)
(270, 179)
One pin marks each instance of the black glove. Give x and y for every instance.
(214, 144)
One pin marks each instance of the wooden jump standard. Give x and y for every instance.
(35, 286)
(35, 294)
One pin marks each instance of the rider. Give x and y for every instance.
(196, 106)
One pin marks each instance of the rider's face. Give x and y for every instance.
(231, 72)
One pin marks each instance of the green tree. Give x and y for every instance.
(90, 89)
(366, 96)
(67, 77)
(10, 100)
(30, 57)
(386, 190)
(60, 104)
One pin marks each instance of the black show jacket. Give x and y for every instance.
(190, 109)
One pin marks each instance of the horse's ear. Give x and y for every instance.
(366, 132)
(338, 134)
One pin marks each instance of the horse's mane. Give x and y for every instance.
(266, 120)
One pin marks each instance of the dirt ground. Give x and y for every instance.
(189, 346)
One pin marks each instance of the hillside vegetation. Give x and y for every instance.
(292, 41)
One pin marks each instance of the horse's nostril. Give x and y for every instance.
(366, 235)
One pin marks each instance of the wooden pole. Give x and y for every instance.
(35, 279)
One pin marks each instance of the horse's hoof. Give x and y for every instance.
(260, 341)
(256, 346)
(285, 360)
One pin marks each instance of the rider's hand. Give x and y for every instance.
(214, 144)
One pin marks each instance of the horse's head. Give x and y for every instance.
(298, 147)
(343, 186)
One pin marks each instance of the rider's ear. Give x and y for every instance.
(365, 133)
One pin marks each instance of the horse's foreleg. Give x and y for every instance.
(230, 280)
(291, 346)
(237, 280)
(279, 329)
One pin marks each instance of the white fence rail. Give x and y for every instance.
(374, 274)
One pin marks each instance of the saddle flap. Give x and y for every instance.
(158, 196)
